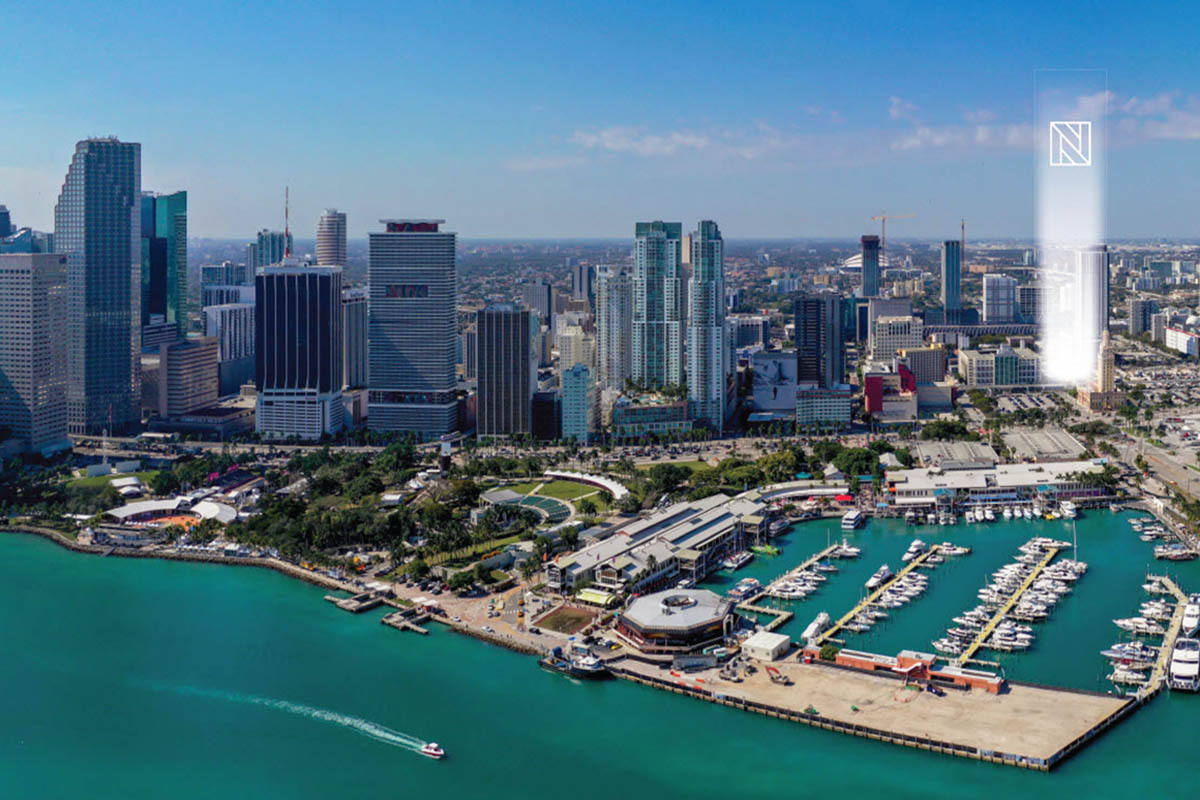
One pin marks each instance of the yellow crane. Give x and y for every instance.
(883, 218)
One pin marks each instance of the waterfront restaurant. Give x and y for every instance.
(677, 621)
(1003, 483)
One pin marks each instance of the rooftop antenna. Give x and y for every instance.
(287, 231)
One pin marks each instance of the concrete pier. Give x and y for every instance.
(1002, 612)
(875, 595)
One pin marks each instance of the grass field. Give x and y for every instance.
(692, 465)
(522, 488)
(98, 482)
(565, 490)
(598, 499)
(567, 620)
(467, 554)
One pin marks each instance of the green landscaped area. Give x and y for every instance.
(522, 488)
(98, 482)
(468, 554)
(692, 465)
(565, 490)
(567, 620)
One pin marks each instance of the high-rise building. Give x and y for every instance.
(1030, 299)
(1141, 314)
(890, 334)
(331, 238)
(614, 326)
(582, 282)
(707, 364)
(412, 323)
(927, 364)
(870, 266)
(221, 295)
(999, 298)
(657, 341)
(538, 297)
(6, 228)
(97, 225)
(507, 370)
(227, 273)
(578, 404)
(272, 247)
(470, 352)
(164, 262)
(298, 351)
(820, 354)
(253, 260)
(747, 330)
(187, 376)
(33, 350)
(354, 337)
(1076, 311)
(232, 325)
(575, 346)
(952, 281)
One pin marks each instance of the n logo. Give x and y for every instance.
(1070, 144)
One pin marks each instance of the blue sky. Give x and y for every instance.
(535, 119)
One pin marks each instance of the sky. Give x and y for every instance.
(560, 120)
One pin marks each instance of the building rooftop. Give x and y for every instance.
(677, 609)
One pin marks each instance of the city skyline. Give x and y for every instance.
(945, 133)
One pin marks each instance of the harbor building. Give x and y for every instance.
(1101, 394)
(1005, 366)
(823, 408)
(677, 621)
(164, 257)
(820, 353)
(298, 352)
(33, 351)
(354, 337)
(1003, 483)
(648, 415)
(412, 325)
(892, 334)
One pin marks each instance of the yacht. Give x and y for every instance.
(1027, 513)
(1184, 673)
(1008, 512)
(778, 526)
(1068, 509)
(951, 549)
(848, 550)
(1128, 676)
(989, 515)
(910, 517)
(881, 575)
(1140, 625)
(746, 589)
(432, 750)
(852, 520)
(914, 551)
(970, 515)
(1191, 615)
(738, 560)
(931, 518)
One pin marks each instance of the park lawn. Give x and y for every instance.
(98, 482)
(566, 619)
(598, 498)
(523, 488)
(565, 490)
(694, 466)
(467, 554)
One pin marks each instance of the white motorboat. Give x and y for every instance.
(989, 515)
(970, 515)
(881, 575)
(432, 750)
(853, 520)
(1027, 513)
(1068, 509)
(1008, 512)
(1191, 615)
(738, 560)
(1184, 672)
(915, 550)
(1127, 676)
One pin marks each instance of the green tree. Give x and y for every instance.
(164, 482)
(586, 507)
(418, 568)
(460, 580)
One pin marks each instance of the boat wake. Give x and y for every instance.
(365, 727)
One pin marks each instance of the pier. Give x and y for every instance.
(875, 595)
(1158, 675)
(809, 563)
(781, 617)
(406, 621)
(358, 603)
(1002, 612)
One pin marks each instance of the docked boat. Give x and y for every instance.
(1027, 513)
(738, 560)
(951, 549)
(1191, 615)
(1184, 672)
(585, 667)
(778, 526)
(1127, 676)
(970, 515)
(746, 589)
(816, 627)
(989, 515)
(1113, 507)
(1008, 512)
(1176, 551)
(853, 520)
(845, 550)
(931, 518)
(1140, 625)
(910, 517)
(880, 576)
(432, 750)
(915, 550)
(1068, 509)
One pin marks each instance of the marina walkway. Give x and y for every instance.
(808, 564)
(1158, 676)
(1002, 612)
(781, 617)
(875, 594)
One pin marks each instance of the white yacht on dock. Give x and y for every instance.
(1184, 673)
(881, 575)
(853, 520)
(1068, 509)
(738, 560)
(914, 550)
(1191, 615)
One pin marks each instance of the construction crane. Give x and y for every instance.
(883, 218)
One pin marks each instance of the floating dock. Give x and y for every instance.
(358, 603)
(406, 621)
(1002, 612)
(808, 564)
(781, 617)
(1158, 675)
(875, 595)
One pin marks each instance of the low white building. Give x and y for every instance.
(767, 646)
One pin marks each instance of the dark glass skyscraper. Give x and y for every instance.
(952, 281)
(507, 370)
(820, 357)
(97, 225)
(164, 260)
(870, 266)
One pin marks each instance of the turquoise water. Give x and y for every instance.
(146, 679)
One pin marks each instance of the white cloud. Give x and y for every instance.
(1160, 103)
(979, 116)
(899, 108)
(625, 139)
(540, 163)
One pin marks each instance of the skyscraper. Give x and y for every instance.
(164, 262)
(582, 282)
(6, 228)
(331, 238)
(507, 370)
(187, 379)
(952, 281)
(298, 351)
(1141, 311)
(820, 358)
(538, 297)
(614, 325)
(412, 323)
(33, 350)
(999, 298)
(470, 351)
(657, 341)
(272, 246)
(354, 337)
(706, 353)
(232, 325)
(870, 266)
(578, 404)
(97, 225)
